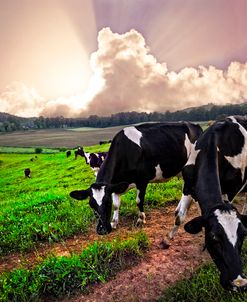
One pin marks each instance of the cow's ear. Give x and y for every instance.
(244, 220)
(80, 194)
(195, 225)
(119, 188)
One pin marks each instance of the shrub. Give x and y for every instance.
(38, 150)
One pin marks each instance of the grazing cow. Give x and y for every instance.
(151, 152)
(213, 175)
(68, 153)
(81, 152)
(27, 172)
(94, 160)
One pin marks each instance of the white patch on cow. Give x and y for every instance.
(239, 161)
(116, 205)
(158, 174)
(98, 195)
(87, 156)
(229, 222)
(181, 212)
(188, 145)
(137, 196)
(96, 170)
(133, 134)
(193, 155)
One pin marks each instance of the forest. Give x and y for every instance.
(9, 123)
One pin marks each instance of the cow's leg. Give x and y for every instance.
(141, 190)
(116, 205)
(95, 170)
(180, 213)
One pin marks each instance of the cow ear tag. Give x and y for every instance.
(195, 225)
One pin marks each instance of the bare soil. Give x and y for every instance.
(160, 267)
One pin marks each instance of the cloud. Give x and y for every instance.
(127, 77)
(19, 99)
(134, 80)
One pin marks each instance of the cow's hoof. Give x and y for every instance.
(164, 244)
(140, 222)
(114, 225)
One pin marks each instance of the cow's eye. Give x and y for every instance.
(214, 237)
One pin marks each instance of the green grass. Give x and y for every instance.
(40, 209)
(56, 277)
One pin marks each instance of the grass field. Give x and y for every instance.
(40, 209)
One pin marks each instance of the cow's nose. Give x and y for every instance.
(240, 284)
(101, 230)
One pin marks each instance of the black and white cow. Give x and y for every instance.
(214, 174)
(138, 155)
(94, 160)
(68, 153)
(27, 172)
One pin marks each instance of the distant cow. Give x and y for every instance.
(94, 160)
(27, 172)
(214, 174)
(68, 153)
(151, 152)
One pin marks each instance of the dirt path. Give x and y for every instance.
(144, 282)
(159, 269)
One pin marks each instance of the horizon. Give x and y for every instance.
(80, 58)
(102, 116)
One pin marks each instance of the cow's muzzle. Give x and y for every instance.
(103, 230)
(239, 284)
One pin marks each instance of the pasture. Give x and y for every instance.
(38, 211)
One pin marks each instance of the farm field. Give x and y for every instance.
(57, 138)
(47, 237)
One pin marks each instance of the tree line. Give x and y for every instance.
(204, 113)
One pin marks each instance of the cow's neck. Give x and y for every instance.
(107, 170)
(208, 189)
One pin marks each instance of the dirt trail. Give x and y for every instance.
(159, 269)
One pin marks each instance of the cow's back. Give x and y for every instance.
(137, 152)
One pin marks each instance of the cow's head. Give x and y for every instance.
(224, 234)
(100, 200)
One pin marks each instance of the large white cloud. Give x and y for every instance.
(134, 80)
(127, 77)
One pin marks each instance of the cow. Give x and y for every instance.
(68, 153)
(151, 152)
(27, 172)
(94, 160)
(214, 174)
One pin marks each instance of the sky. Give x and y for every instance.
(82, 57)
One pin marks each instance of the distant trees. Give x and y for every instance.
(204, 113)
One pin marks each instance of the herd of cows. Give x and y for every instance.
(213, 165)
